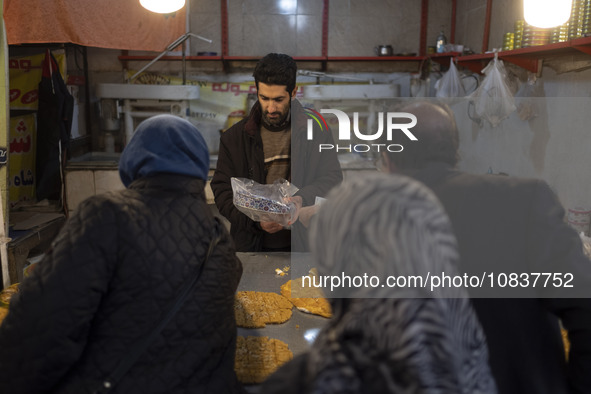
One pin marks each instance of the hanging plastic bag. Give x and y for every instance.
(450, 84)
(493, 100)
(264, 203)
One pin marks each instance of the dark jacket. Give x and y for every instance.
(504, 225)
(241, 155)
(108, 278)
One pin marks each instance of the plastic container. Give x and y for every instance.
(441, 43)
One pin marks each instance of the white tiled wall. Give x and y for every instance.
(81, 184)
(85, 183)
(355, 27)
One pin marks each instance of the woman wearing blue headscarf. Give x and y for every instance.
(113, 273)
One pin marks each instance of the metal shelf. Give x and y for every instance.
(322, 59)
(296, 58)
(443, 58)
(529, 58)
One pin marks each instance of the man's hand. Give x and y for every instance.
(271, 227)
(297, 200)
(306, 214)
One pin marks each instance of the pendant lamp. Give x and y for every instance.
(163, 6)
(546, 13)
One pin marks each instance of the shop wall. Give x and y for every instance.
(553, 145)
(224, 96)
(256, 27)
(550, 146)
(471, 16)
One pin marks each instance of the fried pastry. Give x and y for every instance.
(259, 357)
(256, 309)
(306, 299)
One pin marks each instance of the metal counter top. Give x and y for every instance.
(259, 275)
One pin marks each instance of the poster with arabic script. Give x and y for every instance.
(219, 104)
(25, 75)
(21, 167)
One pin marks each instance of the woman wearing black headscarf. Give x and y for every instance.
(385, 339)
(113, 273)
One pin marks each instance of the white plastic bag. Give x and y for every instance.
(450, 84)
(493, 100)
(264, 203)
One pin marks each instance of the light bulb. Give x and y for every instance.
(163, 6)
(546, 13)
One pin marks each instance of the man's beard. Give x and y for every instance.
(274, 123)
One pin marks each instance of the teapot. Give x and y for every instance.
(384, 50)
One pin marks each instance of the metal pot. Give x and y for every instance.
(384, 50)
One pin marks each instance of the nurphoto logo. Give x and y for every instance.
(391, 119)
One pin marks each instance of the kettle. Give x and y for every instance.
(384, 50)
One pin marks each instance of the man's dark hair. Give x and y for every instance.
(437, 135)
(276, 69)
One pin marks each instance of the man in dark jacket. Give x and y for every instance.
(509, 225)
(270, 144)
(111, 274)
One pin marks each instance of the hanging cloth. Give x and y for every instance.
(113, 24)
(54, 125)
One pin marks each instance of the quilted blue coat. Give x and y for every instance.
(110, 275)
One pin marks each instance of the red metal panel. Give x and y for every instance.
(424, 21)
(325, 6)
(224, 4)
(486, 26)
(452, 34)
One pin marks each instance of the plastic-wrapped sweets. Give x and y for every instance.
(493, 100)
(264, 203)
(450, 84)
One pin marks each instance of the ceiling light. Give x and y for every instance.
(546, 13)
(163, 6)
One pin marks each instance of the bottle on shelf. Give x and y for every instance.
(441, 42)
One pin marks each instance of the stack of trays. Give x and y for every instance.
(534, 36)
(518, 34)
(577, 15)
(508, 41)
(586, 29)
(559, 33)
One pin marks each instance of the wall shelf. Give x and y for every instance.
(443, 58)
(296, 58)
(529, 58)
(322, 59)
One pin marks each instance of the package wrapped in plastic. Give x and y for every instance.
(493, 100)
(265, 203)
(450, 84)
